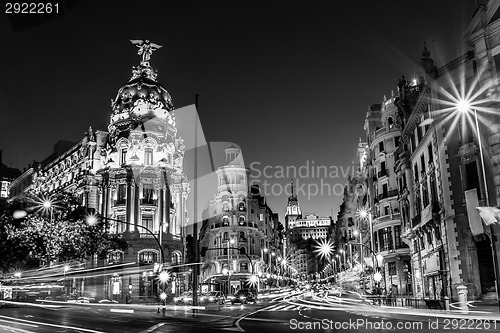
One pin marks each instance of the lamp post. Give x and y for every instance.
(65, 270)
(464, 106)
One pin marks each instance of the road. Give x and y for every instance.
(305, 313)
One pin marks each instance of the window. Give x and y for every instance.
(148, 156)
(148, 193)
(176, 258)
(225, 221)
(226, 237)
(422, 162)
(120, 227)
(386, 210)
(241, 220)
(148, 257)
(242, 250)
(225, 207)
(381, 146)
(397, 236)
(241, 206)
(472, 178)
(122, 193)
(437, 232)
(123, 156)
(386, 239)
(429, 152)
(147, 221)
(392, 268)
(242, 235)
(425, 193)
(396, 141)
(415, 172)
(434, 197)
(390, 122)
(385, 191)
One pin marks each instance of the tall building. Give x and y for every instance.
(133, 173)
(383, 137)
(238, 227)
(7, 175)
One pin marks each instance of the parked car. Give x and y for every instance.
(243, 296)
(213, 297)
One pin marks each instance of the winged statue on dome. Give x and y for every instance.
(146, 48)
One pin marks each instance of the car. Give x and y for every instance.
(179, 300)
(186, 298)
(243, 296)
(215, 297)
(108, 301)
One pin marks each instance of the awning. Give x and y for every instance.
(490, 215)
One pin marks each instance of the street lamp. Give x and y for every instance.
(464, 106)
(66, 268)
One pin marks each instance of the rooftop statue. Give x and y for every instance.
(146, 48)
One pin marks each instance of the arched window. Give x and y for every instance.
(115, 257)
(148, 257)
(225, 221)
(241, 220)
(176, 258)
(241, 206)
(225, 206)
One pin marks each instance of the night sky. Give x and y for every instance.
(289, 83)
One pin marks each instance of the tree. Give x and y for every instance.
(58, 231)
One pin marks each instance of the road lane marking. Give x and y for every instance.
(122, 310)
(153, 328)
(16, 329)
(12, 319)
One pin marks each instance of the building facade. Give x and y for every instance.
(239, 230)
(132, 174)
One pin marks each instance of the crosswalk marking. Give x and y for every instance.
(285, 307)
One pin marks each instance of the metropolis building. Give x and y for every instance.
(133, 172)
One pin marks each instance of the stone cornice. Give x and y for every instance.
(417, 111)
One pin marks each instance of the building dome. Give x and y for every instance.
(141, 96)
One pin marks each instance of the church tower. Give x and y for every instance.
(293, 211)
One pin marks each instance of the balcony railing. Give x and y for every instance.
(382, 173)
(148, 201)
(122, 201)
(391, 193)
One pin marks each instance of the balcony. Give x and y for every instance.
(382, 173)
(415, 221)
(391, 193)
(151, 202)
(119, 202)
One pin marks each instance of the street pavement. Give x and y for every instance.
(310, 312)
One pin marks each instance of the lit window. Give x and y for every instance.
(148, 156)
(123, 156)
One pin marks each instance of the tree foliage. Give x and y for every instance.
(58, 232)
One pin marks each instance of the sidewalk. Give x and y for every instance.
(479, 311)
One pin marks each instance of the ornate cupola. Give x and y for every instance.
(142, 130)
(142, 97)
